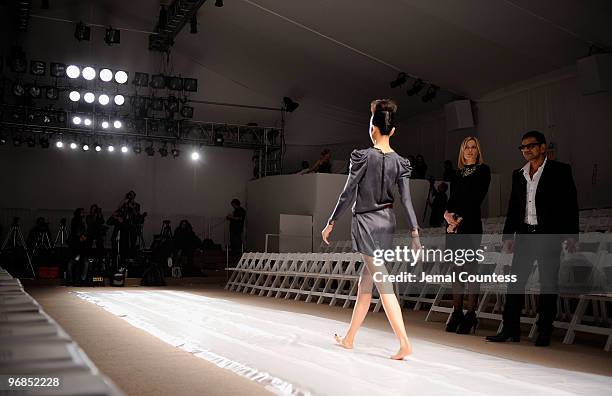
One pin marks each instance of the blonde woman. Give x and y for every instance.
(373, 174)
(464, 230)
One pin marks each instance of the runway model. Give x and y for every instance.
(373, 173)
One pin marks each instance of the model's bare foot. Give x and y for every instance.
(343, 342)
(405, 350)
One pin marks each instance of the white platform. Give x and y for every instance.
(294, 354)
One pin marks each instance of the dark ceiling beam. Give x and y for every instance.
(179, 13)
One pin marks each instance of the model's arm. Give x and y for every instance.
(356, 171)
(403, 184)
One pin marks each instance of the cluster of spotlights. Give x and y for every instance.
(417, 86)
(124, 148)
(90, 97)
(89, 73)
(86, 121)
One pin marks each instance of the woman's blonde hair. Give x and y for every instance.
(461, 160)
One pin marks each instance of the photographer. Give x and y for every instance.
(40, 235)
(77, 265)
(96, 230)
(185, 243)
(128, 218)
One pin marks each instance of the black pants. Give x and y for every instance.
(236, 242)
(529, 247)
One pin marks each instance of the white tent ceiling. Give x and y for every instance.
(339, 54)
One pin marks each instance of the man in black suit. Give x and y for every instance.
(542, 212)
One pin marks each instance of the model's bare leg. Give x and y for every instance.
(361, 308)
(392, 308)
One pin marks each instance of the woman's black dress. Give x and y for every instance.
(370, 182)
(467, 193)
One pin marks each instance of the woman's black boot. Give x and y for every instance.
(468, 324)
(454, 321)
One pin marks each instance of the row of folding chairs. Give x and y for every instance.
(32, 342)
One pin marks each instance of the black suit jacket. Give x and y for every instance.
(556, 201)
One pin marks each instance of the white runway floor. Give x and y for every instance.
(294, 353)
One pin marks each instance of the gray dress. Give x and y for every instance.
(372, 176)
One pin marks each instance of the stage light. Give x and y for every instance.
(121, 77)
(163, 151)
(119, 100)
(400, 80)
(38, 68)
(106, 75)
(141, 79)
(175, 83)
(105, 124)
(30, 141)
(87, 122)
(187, 112)
(117, 124)
(172, 104)
(176, 152)
(430, 94)
(34, 91)
(103, 99)
(18, 61)
(112, 36)
(97, 147)
(137, 148)
(218, 3)
(44, 142)
(190, 84)
(193, 24)
(52, 93)
(150, 150)
(82, 32)
(76, 120)
(219, 139)
(290, 105)
(2, 140)
(111, 148)
(88, 73)
(195, 156)
(46, 119)
(85, 147)
(57, 70)
(124, 149)
(158, 81)
(73, 71)
(17, 141)
(59, 144)
(18, 90)
(89, 97)
(157, 104)
(416, 87)
(74, 96)
(74, 146)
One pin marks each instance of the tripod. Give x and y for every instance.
(139, 236)
(428, 200)
(62, 234)
(16, 238)
(42, 242)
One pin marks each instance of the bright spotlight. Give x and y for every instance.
(76, 120)
(111, 148)
(121, 77)
(98, 148)
(73, 71)
(117, 124)
(89, 97)
(195, 156)
(106, 75)
(74, 146)
(74, 96)
(89, 73)
(87, 122)
(85, 147)
(103, 99)
(124, 149)
(119, 100)
(59, 144)
(105, 124)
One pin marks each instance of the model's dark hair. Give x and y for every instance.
(236, 201)
(539, 136)
(383, 112)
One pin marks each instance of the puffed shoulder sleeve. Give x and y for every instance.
(403, 184)
(358, 161)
